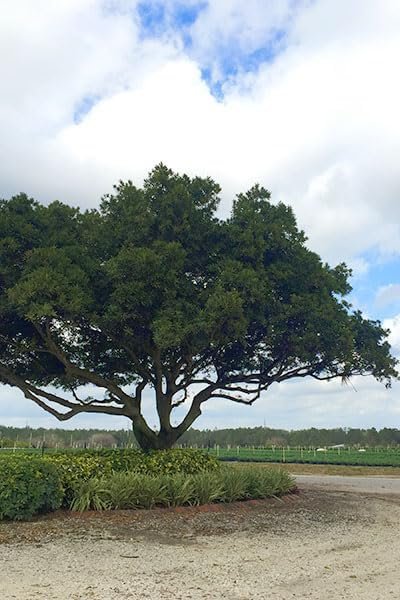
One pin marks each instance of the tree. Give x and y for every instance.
(103, 439)
(152, 290)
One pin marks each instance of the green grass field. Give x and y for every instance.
(374, 457)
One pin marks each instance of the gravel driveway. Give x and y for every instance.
(362, 485)
(320, 544)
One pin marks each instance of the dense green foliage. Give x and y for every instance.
(80, 466)
(131, 490)
(75, 467)
(335, 456)
(28, 486)
(154, 291)
(126, 479)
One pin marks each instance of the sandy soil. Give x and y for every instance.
(364, 485)
(316, 545)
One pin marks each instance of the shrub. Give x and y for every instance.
(179, 489)
(91, 495)
(28, 486)
(235, 483)
(136, 490)
(78, 467)
(265, 483)
(127, 479)
(180, 460)
(207, 488)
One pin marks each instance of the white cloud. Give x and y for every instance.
(290, 405)
(55, 57)
(394, 337)
(230, 28)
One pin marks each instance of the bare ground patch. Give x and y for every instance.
(317, 544)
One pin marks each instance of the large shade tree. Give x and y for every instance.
(154, 291)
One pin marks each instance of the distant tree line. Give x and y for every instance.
(64, 438)
(243, 436)
(264, 436)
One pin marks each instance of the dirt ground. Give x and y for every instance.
(319, 544)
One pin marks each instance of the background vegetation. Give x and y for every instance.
(242, 436)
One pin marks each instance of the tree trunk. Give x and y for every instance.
(167, 436)
(150, 440)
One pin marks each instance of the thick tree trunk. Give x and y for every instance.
(150, 440)
(168, 435)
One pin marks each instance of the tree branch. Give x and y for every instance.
(249, 402)
(181, 400)
(144, 372)
(83, 373)
(36, 394)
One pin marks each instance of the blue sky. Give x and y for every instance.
(300, 96)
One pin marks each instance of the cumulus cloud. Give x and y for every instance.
(230, 31)
(58, 60)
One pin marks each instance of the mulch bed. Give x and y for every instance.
(183, 524)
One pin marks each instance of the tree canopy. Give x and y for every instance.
(153, 290)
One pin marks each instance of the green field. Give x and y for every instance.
(374, 457)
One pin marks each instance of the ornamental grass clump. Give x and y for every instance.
(207, 488)
(91, 495)
(134, 490)
(235, 483)
(122, 490)
(150, 492)
(179, 489)
(266, 483)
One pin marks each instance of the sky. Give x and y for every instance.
(301, 96)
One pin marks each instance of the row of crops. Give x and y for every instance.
(388, 457)
(384, 457)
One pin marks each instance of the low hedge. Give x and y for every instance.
(80, 466)
(28, 486)
(69, 470)
(105, 480)
(129, 490)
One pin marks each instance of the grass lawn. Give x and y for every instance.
(309, 469)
